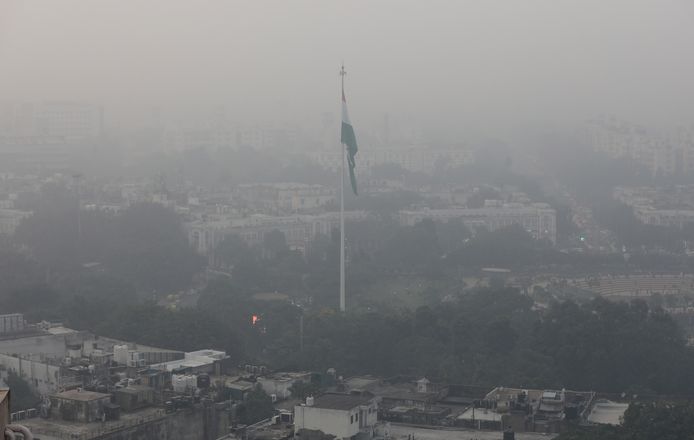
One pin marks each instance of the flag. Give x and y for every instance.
(349, 140)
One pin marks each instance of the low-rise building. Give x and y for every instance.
(134, 397)
(527, 410)
(201, 361)
(53, 360)
(238, 389)
(80, 406)
(404, 401)
(345, 416)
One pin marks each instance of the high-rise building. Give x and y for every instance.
(64, 119)
(72, 120)
(659, 155)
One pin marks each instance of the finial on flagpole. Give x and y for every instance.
(343, 72)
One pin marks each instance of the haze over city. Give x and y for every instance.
(346, 220)
(461, 66)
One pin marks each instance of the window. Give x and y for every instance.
(356, 417)
(351, 419)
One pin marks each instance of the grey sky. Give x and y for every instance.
(472, 65)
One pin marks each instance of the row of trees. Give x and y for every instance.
(620, 219)
(380, 250)
(143, 246)
(489, 337)
(494, 337)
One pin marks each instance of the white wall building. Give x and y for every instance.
(23, 153)
(664, 217)
(12, 323)
(10, 219)
(68, 119)
(416, 158)
(201, 361)
(666, 155)
(73, 120)
(299, 230)
(286, 197)
(43, 377)
(658, 206)
(343, 415)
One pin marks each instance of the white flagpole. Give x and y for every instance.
(342, 210)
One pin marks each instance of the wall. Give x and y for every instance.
(78, 410)
(201, 423)
(48, 345)
(42, 377)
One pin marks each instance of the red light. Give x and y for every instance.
(254, 319)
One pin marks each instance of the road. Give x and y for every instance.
(398, 431)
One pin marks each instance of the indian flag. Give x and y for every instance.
(349, 140)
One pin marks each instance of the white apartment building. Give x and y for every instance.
(666, 155)
(286, 197)
(415, 158)
(203, 139)
(674, 208)
(72, 120)
(345, 416)
(12, 323)
(30, 153)
(10, 219)
(64, 119)
(539, 219)
(664, 217)
(299, 230)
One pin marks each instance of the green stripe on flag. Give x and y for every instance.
(349, 139)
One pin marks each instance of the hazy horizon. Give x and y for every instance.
(463, 67)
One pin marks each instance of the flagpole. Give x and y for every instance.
(342, 210)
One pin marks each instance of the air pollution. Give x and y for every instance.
(346, 220)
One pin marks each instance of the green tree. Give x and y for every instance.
(22, 395)
(274, 243)
(256, 407)
(301, 390)
(152, 251)
(660, 421)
